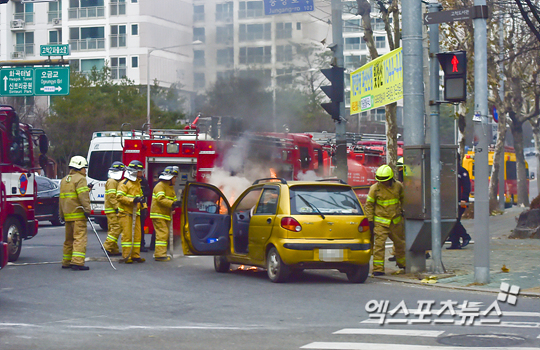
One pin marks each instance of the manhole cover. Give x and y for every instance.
(482, 340)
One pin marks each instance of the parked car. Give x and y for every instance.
(48, 195)
(283, 226)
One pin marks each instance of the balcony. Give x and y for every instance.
(87, 44)
(22, 50)
(27, 17)
(54, 17)
(86, 12)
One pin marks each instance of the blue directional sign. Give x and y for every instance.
(279, 7)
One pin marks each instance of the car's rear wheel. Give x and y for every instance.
(13, 237)
(57, 221)
(358, 273)
(277, 270)
(221, 264)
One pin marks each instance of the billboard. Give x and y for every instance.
(377, 83)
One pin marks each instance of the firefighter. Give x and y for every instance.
(130, 197)
(464, 189)
(75, 209)
(399, 166)
(163, 200)
(384, 211)
(116, 171)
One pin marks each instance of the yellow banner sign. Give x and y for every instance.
(377, 83)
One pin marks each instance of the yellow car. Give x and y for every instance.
(282, 226)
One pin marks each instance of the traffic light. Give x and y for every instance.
(454, 65)
(334, 91)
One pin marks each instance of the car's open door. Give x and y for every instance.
(206, 220)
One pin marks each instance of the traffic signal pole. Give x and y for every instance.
(435, 145)
(341, 123)
(481, 192)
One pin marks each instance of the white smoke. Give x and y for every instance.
(309, 175)
(231, 186)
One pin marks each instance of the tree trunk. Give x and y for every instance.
(499, 149)
(462, 123)
(522, 188)
(536, 134)
(391, 135)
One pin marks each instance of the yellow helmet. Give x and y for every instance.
(384, 173)
(400, 162)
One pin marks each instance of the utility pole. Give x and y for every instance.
(435, 145)
(501, 119)
(341, 124)
(481, 192)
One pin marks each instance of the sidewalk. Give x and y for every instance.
(520, 256)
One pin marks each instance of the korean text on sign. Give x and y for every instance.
(378, 83)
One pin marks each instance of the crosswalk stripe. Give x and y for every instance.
(377, 346)
(401, 332)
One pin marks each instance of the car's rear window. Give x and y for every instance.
(329, 200)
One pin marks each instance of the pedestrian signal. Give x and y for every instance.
(454, 65)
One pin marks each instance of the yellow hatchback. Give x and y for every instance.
(282, 226)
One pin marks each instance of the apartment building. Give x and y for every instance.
(130, 36)
(239, 39)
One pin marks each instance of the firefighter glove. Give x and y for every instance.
(138, 199)
(176, 204)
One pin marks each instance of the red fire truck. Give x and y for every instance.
(18, 186)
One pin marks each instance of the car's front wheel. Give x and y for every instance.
(358, 273)
(277, 270)
(13, 237)
(57, 221)
(221, 264)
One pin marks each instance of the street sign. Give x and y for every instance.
(279, 7)
(54, 50)
(52, 81)
(448, 16)
(17, 82)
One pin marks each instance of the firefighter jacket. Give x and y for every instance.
(162, 200)
(384, 203)
(111, 203)
(126, 193)
(74, 193)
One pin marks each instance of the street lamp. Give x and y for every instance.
(196, 42)
(274, 117)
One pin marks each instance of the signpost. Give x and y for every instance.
(17, 82)
(455, 15)
(54, 50)
(279, 7)
(52, 81)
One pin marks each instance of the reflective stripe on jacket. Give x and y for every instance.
(162, 199)
(126, 193)
(384, 203)
(111, 203)
(74, 193)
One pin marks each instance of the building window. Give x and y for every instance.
(224, 34)
(298, 25)
(118, 67)
(380, 42)
(378, 115)
(118, 36)
(198, 13)
(134, 29)
(263, 75)
(134, 61)
(283, 30)
(355, 62)
(91, 38)
(198, 58)
(284, 53)
(351, 26)
(199, 81)
(88, 65)
(377, 24)
(134, 1)
(55, 12)
(24, 12)
(225, 57)
(198, 34)
(363, 45)
(224, 12)
(250, 55)
(118, 7)
(253, 32)
(352, 43)
(225, 75)
(24, 42)
(55, 37)
(350, 7)
(250, 9)
(86, 9)
(284, 76)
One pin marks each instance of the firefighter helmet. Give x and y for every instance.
(117, 166)
(169, 173)
(132, 169)
(384, 173)
(78, 162)
(400, 162)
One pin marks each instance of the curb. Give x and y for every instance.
(438, 285)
